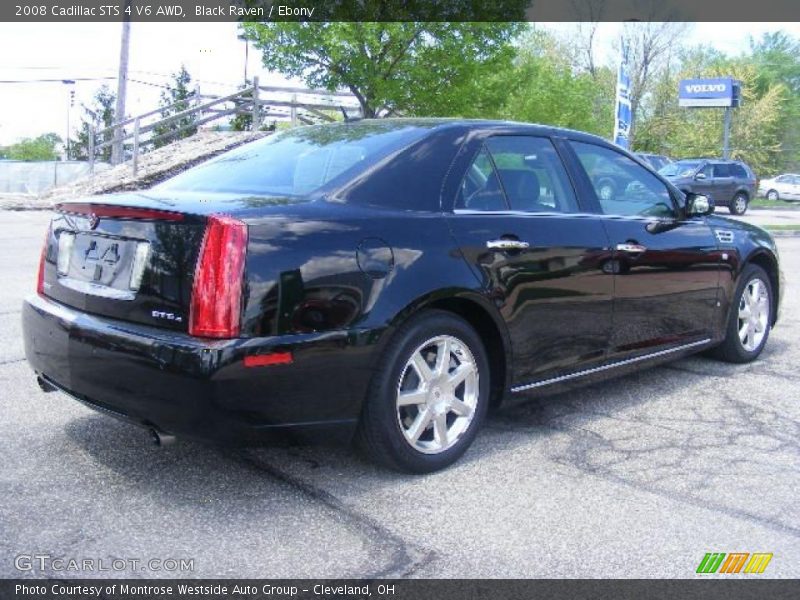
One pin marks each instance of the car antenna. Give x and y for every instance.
(348, 118)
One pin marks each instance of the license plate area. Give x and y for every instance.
(101, 265)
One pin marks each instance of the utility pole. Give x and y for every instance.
(726, 134)
(70, 83)
(117, 154)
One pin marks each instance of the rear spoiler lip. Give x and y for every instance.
(118, 211)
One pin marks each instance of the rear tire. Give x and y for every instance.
(428, 397)
(738, 205)
(750, 319)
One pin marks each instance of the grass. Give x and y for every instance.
(764, 203)
(782, 227)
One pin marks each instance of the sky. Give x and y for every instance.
(212, 53)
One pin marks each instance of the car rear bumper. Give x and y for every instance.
(197, 388)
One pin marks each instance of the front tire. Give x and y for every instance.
(773, 195)
(750, 319)
(428, 397)
(738, 204)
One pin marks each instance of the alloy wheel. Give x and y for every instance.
(437, 394)
(772, 195)
(753, 314)
(740, 204)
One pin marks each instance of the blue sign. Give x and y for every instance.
(622, 114)
(718, 91)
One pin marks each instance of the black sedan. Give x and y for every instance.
(386, 281)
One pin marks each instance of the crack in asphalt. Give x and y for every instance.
(658, 449)
(12, 361)
(405, 557)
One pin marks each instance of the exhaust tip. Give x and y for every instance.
(45, 386)
(160, 438)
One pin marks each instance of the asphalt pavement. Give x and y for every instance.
(636, 477)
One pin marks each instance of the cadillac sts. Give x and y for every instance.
(387, 282)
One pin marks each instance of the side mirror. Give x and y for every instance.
(698, 205)
(700, 175)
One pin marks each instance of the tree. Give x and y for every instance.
(99, 116)
(756, 129)
(649, 46)
(776, 57)
(42, 147)
(545, 87)
(421, 68)
(175, 99)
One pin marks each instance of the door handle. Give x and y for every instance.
(631, 248)
(502, 244)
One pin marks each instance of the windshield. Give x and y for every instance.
(679, 169)
(297, 162)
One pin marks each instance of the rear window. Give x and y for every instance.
(722, 170)
(297, 162)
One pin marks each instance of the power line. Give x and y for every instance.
(59, 80)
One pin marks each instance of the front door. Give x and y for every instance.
(518, 223)
(666, 267)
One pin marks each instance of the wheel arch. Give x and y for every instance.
(483, 317)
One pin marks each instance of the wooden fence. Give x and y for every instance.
(299, 105)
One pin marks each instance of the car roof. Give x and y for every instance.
(442, 123)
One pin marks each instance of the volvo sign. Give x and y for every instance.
(709, 93)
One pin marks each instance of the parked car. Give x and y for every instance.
(782, 187)
(386, 281)
(728, 183)
(657, 161)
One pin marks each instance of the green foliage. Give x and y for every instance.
(38, 148)
(544, 87)
(175, 99)
(420, 68)
(99, 115)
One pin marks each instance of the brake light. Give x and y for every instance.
(42, 259)
(217, 292)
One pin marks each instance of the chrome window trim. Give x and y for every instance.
(621, 363)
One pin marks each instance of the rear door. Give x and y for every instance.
(724, 184)
(536, 254)
(665, 267)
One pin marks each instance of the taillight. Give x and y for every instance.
(217, 293)
(42, 259)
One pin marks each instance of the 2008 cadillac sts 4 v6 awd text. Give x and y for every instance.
(387, 281)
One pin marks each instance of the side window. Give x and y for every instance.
(708, 171)
(782, 179)
(721, 170)
(622, 186)
(532, 174)
(480, 189)
(739, 172)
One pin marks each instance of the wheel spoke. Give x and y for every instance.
(411, 398)
(419, 425)
(755, 292)
(744, 313)
(460, 408)
(442, 357)
(421, 367)
(458, 376)
(743, 332)
(440, 430)
(751, 335)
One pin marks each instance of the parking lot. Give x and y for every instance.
(637, 477)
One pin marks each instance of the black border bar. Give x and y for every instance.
(707, 588)
(405, 10)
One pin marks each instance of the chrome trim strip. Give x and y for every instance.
(622, 363)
